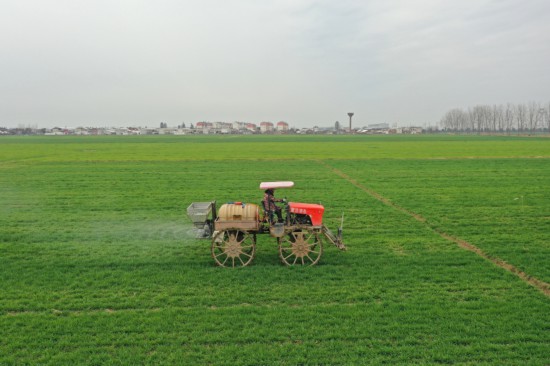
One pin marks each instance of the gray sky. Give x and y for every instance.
(121, 63)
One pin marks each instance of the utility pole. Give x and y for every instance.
(350, 115)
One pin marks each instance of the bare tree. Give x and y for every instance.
(454, 120)
(486, 118)
(543, 117)
(521, 116)
(479, 116)
(499, 118)
(509, 116)
(532, 116)
(472, 120)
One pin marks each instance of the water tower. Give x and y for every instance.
(350, 115)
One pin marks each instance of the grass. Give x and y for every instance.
(501, 205)
(99, 266)
(264, 147)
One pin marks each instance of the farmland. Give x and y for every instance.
(98, 263)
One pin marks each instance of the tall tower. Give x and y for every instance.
(350, 115)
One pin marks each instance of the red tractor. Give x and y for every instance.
(233, 229)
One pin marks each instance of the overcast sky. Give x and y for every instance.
(139, 63)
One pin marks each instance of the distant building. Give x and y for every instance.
(238, 125)
(251, 127)
(378, 126)
(148, 131)
(121, 131)
(282, 126)
(203, 125)
(182, 131)
(412, 130)
(266, 127)
(167, 131)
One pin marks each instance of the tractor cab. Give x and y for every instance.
(271, 186)
(297, 213)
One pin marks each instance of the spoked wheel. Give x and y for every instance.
(301, 247)
(233, 248)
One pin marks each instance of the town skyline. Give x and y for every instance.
(307, 62)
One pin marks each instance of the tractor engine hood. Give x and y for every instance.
(314, 211)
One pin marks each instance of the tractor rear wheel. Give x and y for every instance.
(300, 247)
(233, 248)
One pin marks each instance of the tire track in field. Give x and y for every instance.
(533, 281)
(156, 309)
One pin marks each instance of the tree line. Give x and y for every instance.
(510, 118)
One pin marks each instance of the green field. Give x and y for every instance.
(98, 263)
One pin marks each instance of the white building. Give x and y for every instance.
(282, 126)
(266, 127)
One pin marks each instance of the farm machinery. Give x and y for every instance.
(233, 229)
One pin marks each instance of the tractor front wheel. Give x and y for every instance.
(300, 247)
(233, 248)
